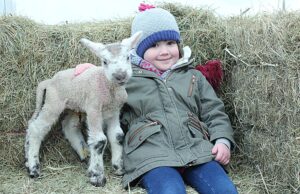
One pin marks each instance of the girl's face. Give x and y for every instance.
(163, 54)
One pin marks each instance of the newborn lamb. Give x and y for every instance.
(99, 92)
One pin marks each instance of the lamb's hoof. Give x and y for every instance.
(34, 172)
(97, 179)
(118, 170)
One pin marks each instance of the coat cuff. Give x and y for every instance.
(224, 141)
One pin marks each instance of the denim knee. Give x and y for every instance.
(163, 180)
(209, 178)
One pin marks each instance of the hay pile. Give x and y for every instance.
(261, 90)
(264, 90)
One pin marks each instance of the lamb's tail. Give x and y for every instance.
(40, 98)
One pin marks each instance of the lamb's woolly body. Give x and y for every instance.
(90, 87)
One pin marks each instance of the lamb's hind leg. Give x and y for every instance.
(36, 132)
(97, 142)
(115, 136)
(71, 127)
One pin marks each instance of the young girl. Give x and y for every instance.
(176, 130)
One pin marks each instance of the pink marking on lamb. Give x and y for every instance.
(82, 67)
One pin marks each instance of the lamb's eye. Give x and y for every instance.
(104, 61)
(128, 58)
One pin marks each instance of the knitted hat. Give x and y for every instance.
(157, 25)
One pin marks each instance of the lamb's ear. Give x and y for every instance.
(133, 40)
(93, 46)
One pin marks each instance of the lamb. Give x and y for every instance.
(99, 92)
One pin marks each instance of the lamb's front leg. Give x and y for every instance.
(115, 136)
(97, 142)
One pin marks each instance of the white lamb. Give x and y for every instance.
(99, 92)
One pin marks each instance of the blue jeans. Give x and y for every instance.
(208, 178)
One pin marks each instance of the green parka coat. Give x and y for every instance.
(166, 121)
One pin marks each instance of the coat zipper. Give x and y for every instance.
(191, 86)
(197, 124)
(140, 129)
(165, 80)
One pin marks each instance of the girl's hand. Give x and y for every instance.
(222, 153)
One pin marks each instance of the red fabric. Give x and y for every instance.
(212, 70)
(144, 7)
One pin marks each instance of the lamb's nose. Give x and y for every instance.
(120, 76)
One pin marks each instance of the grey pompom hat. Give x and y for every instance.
(157, 25)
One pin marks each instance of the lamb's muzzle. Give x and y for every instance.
(121, 77)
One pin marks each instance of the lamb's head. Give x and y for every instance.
(115, 57)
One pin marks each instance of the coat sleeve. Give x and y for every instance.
(212, 113)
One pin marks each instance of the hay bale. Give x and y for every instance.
(264, 93)
(261, 89)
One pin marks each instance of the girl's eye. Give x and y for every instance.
(154, 45)
(171, 42)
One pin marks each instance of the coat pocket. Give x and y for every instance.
(138, 134)
(195, 125)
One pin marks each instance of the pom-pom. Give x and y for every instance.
(212, 71)
(144, 7)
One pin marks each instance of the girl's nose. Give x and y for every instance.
(164, 50)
